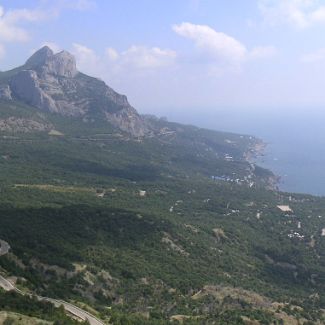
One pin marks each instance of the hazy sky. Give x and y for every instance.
(182, 55)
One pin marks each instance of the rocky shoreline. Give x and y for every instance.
(258, 150)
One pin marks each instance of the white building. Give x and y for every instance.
(284, 208)
(142, 193)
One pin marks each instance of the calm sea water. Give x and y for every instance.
(296, 143)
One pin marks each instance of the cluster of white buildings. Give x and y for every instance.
(296, 234)
(246, 180)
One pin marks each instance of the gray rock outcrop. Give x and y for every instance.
(23, 125)
(5, 92)
(45, 62)
(26, 86)
(51, 82)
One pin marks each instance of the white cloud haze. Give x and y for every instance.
(298, 13)
(86, 57)
(263, 52)
(217, 44)
(142, 57)
(13, 22)
(80, 5)
(112, 54)
(113, 66)
(10, 29)
(220, 46)
(312, 57)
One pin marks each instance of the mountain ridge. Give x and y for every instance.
(51, 83)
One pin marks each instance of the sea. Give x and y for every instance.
(295, 141)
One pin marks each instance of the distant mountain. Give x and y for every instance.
(51, 83)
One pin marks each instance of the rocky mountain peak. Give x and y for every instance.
(39, 58)
(44, 61)
(62, 64)
(52, 83)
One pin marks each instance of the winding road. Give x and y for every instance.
(70, 308)
(6, 285)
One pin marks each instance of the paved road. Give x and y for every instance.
(5, 284)
(72, 309)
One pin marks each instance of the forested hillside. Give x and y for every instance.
(152, 230)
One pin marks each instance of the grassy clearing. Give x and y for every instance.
(18, 319)
(56, 188)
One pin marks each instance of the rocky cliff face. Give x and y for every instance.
(5, 92)
(51, 82)
(62, 64)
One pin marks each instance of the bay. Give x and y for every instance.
(295, 142)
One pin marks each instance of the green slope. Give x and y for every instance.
(213, 249)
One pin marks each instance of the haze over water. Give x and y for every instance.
(296, 143)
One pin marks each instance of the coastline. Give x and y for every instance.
(255, 152)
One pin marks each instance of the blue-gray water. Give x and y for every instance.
(296, 143)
